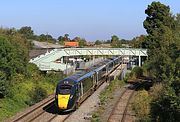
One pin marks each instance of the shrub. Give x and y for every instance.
(141, 106)
(38, 94)
(138, 72)
(20, 92)
(165, 108)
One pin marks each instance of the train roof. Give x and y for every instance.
(87, 72)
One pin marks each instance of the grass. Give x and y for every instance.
(106, 97)
(8, 107)
(26, 93)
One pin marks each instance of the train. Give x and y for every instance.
(73, 90)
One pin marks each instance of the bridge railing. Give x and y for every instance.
(46, 61)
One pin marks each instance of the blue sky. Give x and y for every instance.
(89, 19)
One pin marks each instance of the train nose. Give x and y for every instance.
(63, 101)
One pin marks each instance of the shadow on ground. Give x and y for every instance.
(53, 109)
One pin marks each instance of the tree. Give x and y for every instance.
(139, 42)
(163, 50)
(176, 31)
(27, 32)
(165, 108)
(98, 42)
(46, 38)
(82, 41)
(115, 42)
(66, 37)
(2, 84)
(61, 40)
(13, 59)
(159, 25)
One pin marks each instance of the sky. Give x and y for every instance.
(89, 19)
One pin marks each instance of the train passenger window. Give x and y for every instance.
(110, 65)
(103, 71)
(87, 84)
(64, 89)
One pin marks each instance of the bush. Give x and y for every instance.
(166, 108)
(20, 92)
(141, 106)
(2, 88)
(138, 72)
(38, 94)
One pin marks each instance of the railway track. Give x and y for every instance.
(119, 111)
(44, 111)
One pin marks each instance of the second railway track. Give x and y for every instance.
(119, 112)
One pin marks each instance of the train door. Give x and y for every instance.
(80, 89)
(94, 79)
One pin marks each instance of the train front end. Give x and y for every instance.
(65, 95)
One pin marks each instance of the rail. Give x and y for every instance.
(119, 112)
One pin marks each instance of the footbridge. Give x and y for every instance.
(49, 61)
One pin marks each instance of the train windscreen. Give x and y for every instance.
(64, 89)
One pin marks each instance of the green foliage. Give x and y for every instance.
(163, 43)
(95, 117)
(27, 32)
(106, 94)
(61, 40)
(138, 72)
(105, 97)
(115, 42)
(3, 85)
(97, 42)
(38, 94)
(161, 40)
(82, 42)
(8, 107)
(2, 88)
(45, 38)
(158, 16)
(139, 42)
(141, 106)
(64, 38)
(159, 25)
(12, 57)
(21, 83)
(165, 108)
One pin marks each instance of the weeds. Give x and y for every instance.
(105, 97)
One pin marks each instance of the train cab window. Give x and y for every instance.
(64, 89)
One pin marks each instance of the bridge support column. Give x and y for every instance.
(93, 60)
(139, 61)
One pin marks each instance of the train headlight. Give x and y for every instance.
(71, 97)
